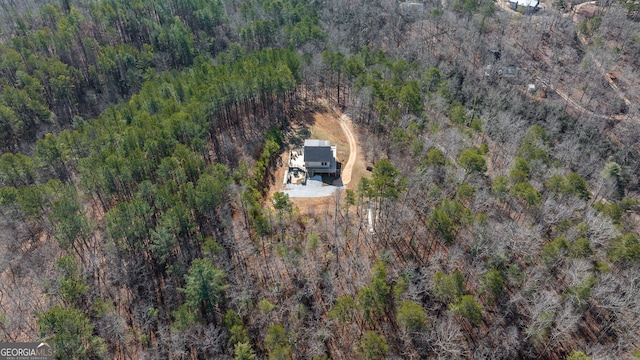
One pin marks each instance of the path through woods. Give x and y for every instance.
(345, 123)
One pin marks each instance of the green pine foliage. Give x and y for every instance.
(243, 351)
(204, 286)
(472, 161)
(448, 288)
(375, 298)
(344, 309)
(448, 218)
(277, 343)
(467, 307)
(494, 282)
(625, 249)
(71, 284)
(372, 346)
(411, 316)
(577, 355)
(71, 332)
(138, 141)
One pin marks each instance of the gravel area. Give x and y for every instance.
(313, 188)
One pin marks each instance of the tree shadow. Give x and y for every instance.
(301, 132)
(334, 180)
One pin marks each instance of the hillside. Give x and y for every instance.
(141, 153)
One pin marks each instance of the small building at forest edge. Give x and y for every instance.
(526, 6)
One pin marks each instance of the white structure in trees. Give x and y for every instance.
(525, 6)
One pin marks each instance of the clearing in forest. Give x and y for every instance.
(338, 129)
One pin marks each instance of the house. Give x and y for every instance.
(526, 6)
(508, 71)
(319, 157)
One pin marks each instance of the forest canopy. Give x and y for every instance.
(139, 142)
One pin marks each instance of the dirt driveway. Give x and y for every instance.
(345, 123)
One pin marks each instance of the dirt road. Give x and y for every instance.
(575, 105)
(345, 123)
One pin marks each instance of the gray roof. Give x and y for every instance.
(317, 151)
(316, 142)
(318, 154)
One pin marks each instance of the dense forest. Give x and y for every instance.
(138, 140)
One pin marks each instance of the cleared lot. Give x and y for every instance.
(313, 188)
(330, 126)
